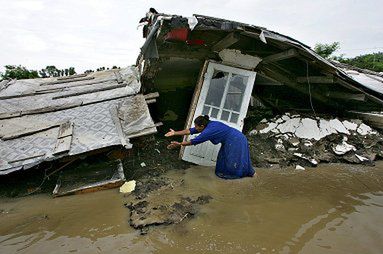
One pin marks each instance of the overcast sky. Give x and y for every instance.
(88, 34)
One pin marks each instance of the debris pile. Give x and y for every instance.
(292, 139)
(158, 201)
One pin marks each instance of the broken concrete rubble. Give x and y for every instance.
(308, 140)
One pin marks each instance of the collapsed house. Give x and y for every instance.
(46, 119)
(199, 65)
(206, 65)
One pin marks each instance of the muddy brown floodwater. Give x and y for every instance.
(329, 209)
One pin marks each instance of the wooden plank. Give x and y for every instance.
(316, 80)
(66, 81)
(151, 95)
(346, 96)
(193, 104)
(27, 158)
(89, 91)
(226, 42)
(62, 145)
(280, 56)
(73, 76)
(291, 82)
(104, 185)
(117, 124)
(150, 101)
(64, 138)
(371, 97)
(53, 88)
(115, 181)
(30, 131)
(59, 107)
(7, 115)
(51, 108)
(66, 129)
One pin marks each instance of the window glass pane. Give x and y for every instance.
(214, 112)
(225, 115)
(205, 110)
(216, 88)
(234, 118)
(234, 97)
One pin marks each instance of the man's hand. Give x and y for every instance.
(170, 133)
(173, 145)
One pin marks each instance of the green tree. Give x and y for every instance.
(71, 71)
(326, 50)
(52, 71)
(18, 72)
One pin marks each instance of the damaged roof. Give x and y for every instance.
(48, 118)
(284, 59)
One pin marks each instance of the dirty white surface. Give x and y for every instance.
(312, 129)
(235, 57)
(93, 124)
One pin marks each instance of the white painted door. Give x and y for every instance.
(225, 96)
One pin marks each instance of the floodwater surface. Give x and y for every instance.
(329, 209)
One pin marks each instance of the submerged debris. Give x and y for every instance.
(155, 203)
(294, 139)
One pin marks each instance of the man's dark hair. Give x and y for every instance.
(202, 120)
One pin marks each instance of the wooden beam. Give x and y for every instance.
(27, 158)
(89, 91)
(317, 80)
(280, 56)
(346, 96)
(64, 138)
(193, 104)
(59, 107)
(294, 85)
(226, 42)
(151, 101)
(66, 81)
(151, 95)
(29, 131)
(372, 97)
(120, 132)
(117, 180)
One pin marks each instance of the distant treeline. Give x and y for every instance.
(373, 62)
(21, 72)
